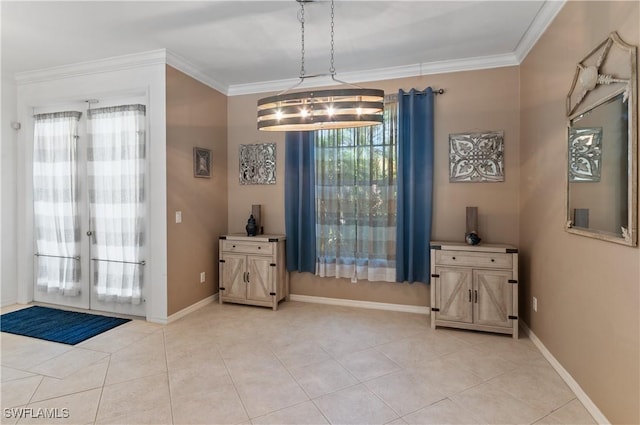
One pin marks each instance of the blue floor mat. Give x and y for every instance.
(66, 327)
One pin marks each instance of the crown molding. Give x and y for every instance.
(541, 22)
(278, 85)
(186, 67)
(116, 63)
(469, 64)
(390, 73)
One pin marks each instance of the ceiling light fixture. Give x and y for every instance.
(320, 109)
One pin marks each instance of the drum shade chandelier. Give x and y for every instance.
(347, 107)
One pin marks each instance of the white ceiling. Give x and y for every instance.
(244, 44)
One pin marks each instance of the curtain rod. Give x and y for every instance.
(394, 96)
(436, 92)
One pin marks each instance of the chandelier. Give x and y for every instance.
(345, 107)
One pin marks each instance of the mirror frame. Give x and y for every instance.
(585, 96)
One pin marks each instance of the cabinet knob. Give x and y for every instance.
(453, 258)
(234, 246)
(493, 260)
(259, 247)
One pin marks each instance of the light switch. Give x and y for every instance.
(178, 216)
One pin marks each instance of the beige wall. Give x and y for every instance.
(588, 290)
(476, 100)
(196, 117)
(243, 131)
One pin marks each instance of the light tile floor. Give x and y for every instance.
(304, 364)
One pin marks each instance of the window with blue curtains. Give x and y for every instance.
(414, 192)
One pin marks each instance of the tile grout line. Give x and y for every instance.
(166, 363)
(558, 408)
(104, 381)
(74, 372)
(233, 382)
(291, 375)
(35, 390)
(399, 416)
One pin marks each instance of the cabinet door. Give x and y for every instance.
(493, 298)
(260, 283)
(453, 294)
(233, 276)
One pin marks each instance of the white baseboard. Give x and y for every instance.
(8, 302)
(193, 307)
(566, 376)
(361, 304)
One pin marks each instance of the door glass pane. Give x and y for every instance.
(55, 203)
(116, 170)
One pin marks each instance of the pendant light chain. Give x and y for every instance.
(332, 68)
(302, 39)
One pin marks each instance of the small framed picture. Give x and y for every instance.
(201, 163)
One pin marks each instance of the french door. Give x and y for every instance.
(89, 177)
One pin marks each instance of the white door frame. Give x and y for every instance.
(88, 298)
(135, 74)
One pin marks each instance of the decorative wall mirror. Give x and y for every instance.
(602, 176)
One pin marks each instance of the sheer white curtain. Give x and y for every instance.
(355, 185)
(55, 202)
(116, 170)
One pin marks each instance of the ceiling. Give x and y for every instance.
(244, 45)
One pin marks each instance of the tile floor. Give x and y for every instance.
(304, 364)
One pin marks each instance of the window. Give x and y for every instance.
(335, 217)
(356, 192)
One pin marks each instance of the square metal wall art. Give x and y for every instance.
(258, 163)
(476, 157)
(585, 153)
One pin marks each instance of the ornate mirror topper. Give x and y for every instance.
(600, 74)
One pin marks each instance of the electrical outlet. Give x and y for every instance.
(202, 277)
(535, 304)
(178, 216)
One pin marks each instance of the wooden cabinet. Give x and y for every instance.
(253, 270)
(474, 287)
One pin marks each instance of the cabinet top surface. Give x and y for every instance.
(257, 238)
(482, 247)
